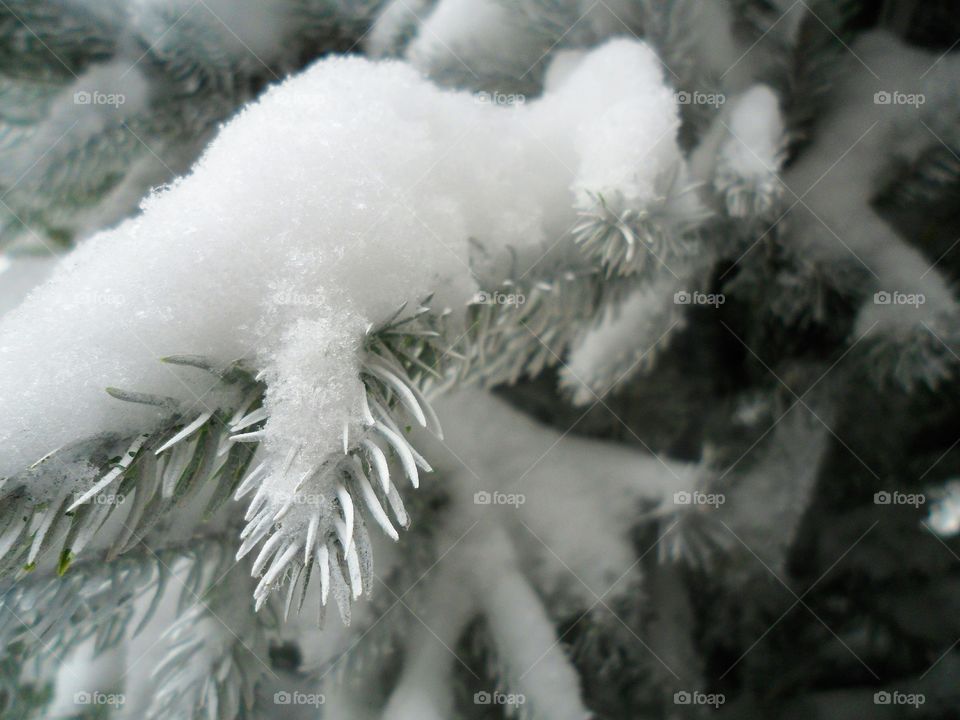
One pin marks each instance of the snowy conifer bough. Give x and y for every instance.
(268, 391)
(299, 292)
(107, 84)
(312, 243)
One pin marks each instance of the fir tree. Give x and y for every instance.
(582, 359)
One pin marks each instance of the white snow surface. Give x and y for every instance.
(758, 129)
(836, 178)
(318, 210)
(611, 351)
(944, 513)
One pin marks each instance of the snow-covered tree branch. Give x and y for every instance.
(591, 360)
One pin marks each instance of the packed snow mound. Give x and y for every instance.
(321, 208)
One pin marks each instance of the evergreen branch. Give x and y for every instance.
(667, 26)
(609, 658)
(209, 670)
(929, 181)
(160, 470)
(696, 536)
(791, 288)
(506, 341)
(805, 68)
(918, 356)
(383, 631)
(52, 615)
(415, 347)
(167, 467)
(95, 175)
(753, 494)
(53, 41)
(639, 242)
(319, 526)
(627, 340)
(21, 697)
(759, 196)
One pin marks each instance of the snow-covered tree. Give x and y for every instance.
(589, 359)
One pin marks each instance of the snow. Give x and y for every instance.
(394, 25)
(246, 28)
(341, 194)
(490, 447)
(493, 44)
(534, 662)
(425, 689)
(70, 122)
(758, 130)
(624, 341)
(944, 515)
(836, 178)
(478, 43)
(93, 102)
(581, 497)
(719, 48)
(97, 138)
(635, 172)
(562, 64)
(751, 155)
(19, 275)
(454, 24)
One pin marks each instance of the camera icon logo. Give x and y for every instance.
(82, 97)
(682, 698)
(882, 697)
(882, 498)
(282, 697)
(681, 297)
(82, 698)
(682, 497)
(482, 698)
(684, 98)
(482, 497)
(882, 98)
(882, 298)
